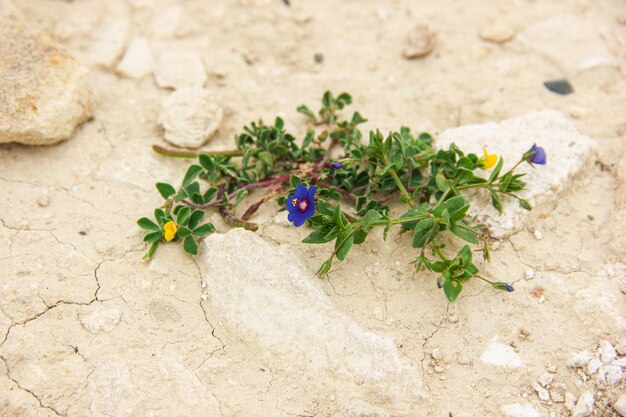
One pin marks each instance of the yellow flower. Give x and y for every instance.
(170, 230)
(488, 161)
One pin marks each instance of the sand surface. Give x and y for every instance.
(87, 329)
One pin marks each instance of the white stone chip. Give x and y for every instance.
(268, 296)
(584, 405)
(567, 153)
(110, 43)
(519, 410)
(573, 50)
(593, 366)
(620, 405)
(546, 379)
(497, 32)
(499, 354)
(612, 374)
(176, 69)
(579, 359)
(607, 352)
(45, 91)
(190, 116)
(138, 60)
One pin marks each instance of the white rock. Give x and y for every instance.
(538, 234)
(570, 401)
(567, 152)
(593, 366)
(499, 354)
(529, 273)
(138, 60)
(543, 393)
(100, 319)
(419, 42)
(518, 410)
(620, 405)
(620, 362)
(607, 352)
(584, 405)
(573, 50)
(612, 374)
(579, 359)
(45, 91)
(546, 379)
(497, 32)
(110, 43)
(190, 116)
(556, 396)
(268, 296)
(176, 69)
(166, 22)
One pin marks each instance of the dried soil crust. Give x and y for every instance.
(87, 329)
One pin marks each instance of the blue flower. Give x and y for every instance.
(539, 155)
(301, 204)
(508, 287)
(336, 166)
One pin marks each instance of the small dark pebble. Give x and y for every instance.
(590, 217)
(287, 2)
(83, 233)
(562, 87)
(318, 57)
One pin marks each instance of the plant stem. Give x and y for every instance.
(253, 208)
(234, 221)
(179, 153)
(403, 190)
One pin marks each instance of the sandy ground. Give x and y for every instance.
(87, 329)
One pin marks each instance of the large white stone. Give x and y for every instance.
(572, 49)
(190, 116)
(138, 60)
(176, 69)
(270, 298)
(567, 152)
(499, 354)
(45, 91)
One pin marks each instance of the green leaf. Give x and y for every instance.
(166, 190)
(151, 251)
(294, 181)
(146, 223)
(153, 237)
(360, 236)
(465, 234)
(266, 158)
(325, 267)
(370, 216)
(441, 182)
(195, 218)
(307, 112)
(452, 289)
(524, 204)
(204, 230)
(496, 170)
(466, 254)
(241, 194)
(183, 231)
(190, 245)
(343, 245)
(456, 206)
(159, 215)
(424, 231)
(183, 216)
(192, 172)
(495, 200)
(316, 237)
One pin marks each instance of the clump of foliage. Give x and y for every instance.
(343, 198)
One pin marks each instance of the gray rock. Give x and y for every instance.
(190, 116)
(45, 91)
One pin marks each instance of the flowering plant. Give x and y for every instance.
(343, 198)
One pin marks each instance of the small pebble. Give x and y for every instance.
(43, 201)
(318, 57)
(538, 234)
(543, 393)
(570, 401)
(546, 379)
(584, 405)
(593, 366)
(529, 273)
(579, 359)
(497, 32)
(83, 233)
(607, 352)
(556, 396)
(620, 405)
(612, 374)
(419, 42)
(562, 87)
(436, 354)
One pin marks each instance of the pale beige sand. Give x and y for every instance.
(87, 329)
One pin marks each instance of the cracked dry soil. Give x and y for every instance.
(86, 329)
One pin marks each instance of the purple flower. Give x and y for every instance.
(508, 287)
(539, 155)
(301, 204)
(336, 166)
